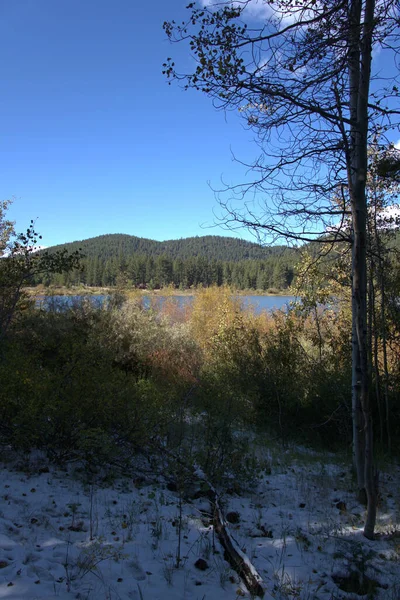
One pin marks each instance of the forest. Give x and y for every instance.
(129, 261)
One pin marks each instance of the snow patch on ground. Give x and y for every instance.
(300, 526)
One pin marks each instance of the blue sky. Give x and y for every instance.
(93, 139)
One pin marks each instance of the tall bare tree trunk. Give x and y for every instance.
(357, 414)
(361, 27)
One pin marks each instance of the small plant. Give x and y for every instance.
(125, 519)
(130, 517)
(258, 518)
(168, 571)
(93, 516)
(285, 587)
(68, 569)
(94, 554)
(73, 506)
(224, 573)
(157, 529)
(205, 544)
(302, 541)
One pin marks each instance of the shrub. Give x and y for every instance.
(63, 393)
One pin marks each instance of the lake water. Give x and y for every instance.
(256, 303)
(268, 303)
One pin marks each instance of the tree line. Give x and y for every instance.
(149, 272)
(124, 261)
(108, 261)
(209, 246)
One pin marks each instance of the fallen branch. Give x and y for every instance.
(234, 554)
(238, 560)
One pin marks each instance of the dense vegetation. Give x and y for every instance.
(126, 260)
(95, 384)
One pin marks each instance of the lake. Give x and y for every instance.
(256, 303)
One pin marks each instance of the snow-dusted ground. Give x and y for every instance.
(300, 526)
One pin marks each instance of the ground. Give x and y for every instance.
(64, 535)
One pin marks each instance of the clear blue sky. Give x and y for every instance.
(93, 140)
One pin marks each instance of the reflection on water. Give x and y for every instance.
(58, 302)
(256, 303)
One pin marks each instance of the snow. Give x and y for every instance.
(62, 537)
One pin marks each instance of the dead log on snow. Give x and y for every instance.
(234, 554)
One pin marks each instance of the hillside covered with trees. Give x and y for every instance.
(125, 260)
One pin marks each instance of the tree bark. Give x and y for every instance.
(360, 71)
(357, 415)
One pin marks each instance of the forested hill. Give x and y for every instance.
(126, 260)
(209, 246)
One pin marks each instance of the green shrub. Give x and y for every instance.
(63, 393)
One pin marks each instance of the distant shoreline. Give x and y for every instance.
(133, 292)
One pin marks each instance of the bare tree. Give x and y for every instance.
(300, 72)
